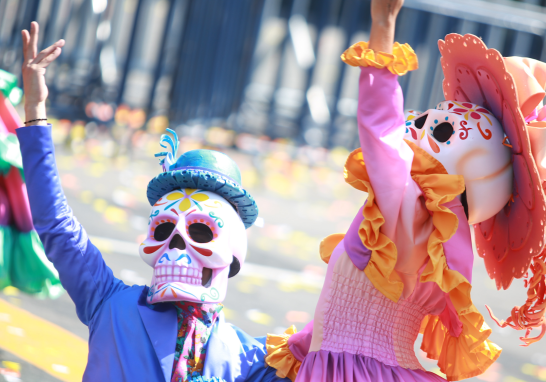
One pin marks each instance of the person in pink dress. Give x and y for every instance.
(475, 162)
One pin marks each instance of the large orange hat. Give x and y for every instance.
(513, 240)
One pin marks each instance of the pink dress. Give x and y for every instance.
(358, 334)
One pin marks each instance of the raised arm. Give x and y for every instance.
(81, 268)
(380, 111)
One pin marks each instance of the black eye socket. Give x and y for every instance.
(200, 233)
(163, 231)
(420, 122)
(443, 132)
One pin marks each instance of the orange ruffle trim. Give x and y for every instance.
(279, 355)
(402, 59)
(328, 244)
(461, 357)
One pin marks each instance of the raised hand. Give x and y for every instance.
(34, 69)
(384, 13)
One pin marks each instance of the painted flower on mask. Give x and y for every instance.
(476, 113)
(186, 198)
(468, 109)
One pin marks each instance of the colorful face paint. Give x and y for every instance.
(192, 240)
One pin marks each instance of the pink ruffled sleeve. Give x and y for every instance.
(381, 130)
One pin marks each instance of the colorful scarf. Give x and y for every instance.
(195, 322)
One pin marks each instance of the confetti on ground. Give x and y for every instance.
(41, 343)
(100, 205)
(255, 315)
(229, 314)
(115, 215)
(295, 316)
(536, 371)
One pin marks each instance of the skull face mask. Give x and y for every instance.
(196, 236)
(468, 140)
(195, 241)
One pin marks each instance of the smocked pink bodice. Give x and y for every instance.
(358, 319)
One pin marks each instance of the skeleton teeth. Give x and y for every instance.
(173, 273)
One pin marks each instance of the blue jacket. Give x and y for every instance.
(128, 341)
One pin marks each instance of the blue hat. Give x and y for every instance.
(207, 170)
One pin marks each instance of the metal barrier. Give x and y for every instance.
(187, 59)
(266, 67)
(311, 97)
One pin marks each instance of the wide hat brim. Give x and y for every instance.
(509, 240)
(208, 181)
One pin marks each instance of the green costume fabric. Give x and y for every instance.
(23, 263)
(10, 154)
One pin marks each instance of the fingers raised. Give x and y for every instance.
(25, 37)
(33, 44)
(50, 58)
(47, 52)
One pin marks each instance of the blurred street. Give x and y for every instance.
(281, 281)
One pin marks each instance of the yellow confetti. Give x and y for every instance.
(100, 205)
(11, 291)
(259, 317)
(115, 215)
(86, 196)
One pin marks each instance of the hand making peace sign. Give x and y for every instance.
(34, 68)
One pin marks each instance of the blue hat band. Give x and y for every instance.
(205, 169)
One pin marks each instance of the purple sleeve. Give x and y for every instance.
(381, 130)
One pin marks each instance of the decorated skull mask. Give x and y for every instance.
(469, 141)
(195, 241)
(196, 236)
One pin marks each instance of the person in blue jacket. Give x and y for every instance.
(175, 329)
